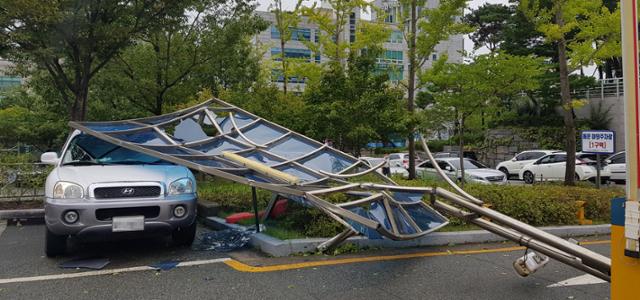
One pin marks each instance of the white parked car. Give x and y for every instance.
(474, 171)
(514, 165)
(617, 166)
(401, 160)
(552, 167)
(374, 161)
(99, 190)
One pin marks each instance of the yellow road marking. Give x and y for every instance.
(238, 266)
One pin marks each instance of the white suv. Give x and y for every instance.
(552, 167)
(514, 165)
(98, 190)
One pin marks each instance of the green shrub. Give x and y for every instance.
(230, 195)
(538, 205)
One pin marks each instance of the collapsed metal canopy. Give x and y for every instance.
(222, 140)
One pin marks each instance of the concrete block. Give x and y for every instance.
(208, 209)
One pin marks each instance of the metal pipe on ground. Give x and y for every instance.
(524, 240)
(588, 257)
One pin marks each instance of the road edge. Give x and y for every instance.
(278, 248)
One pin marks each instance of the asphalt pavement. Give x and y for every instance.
(482, 272)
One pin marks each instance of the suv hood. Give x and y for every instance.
(87, 175)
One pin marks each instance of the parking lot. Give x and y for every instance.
(454, 272)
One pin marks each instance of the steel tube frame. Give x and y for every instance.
(523, 240)
(589, 257)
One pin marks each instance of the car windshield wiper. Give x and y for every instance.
(83, 163)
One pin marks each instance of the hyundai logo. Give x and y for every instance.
(127, 191)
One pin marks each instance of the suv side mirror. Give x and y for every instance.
(607, 161)
(49, 158)
(448, 168)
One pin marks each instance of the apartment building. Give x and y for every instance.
(393, 60)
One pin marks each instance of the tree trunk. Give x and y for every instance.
(461, 150)
(569, 122)
(411, 88)
(284, 66)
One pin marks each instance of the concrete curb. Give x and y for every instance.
(36, 213)
(277, 247)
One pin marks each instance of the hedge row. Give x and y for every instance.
(538, 205)
(541, 204)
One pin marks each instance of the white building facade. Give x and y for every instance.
(393, 61)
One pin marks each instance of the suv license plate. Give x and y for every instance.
(132, 223)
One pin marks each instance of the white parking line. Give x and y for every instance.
(3, 226)
(107, 272)
(579, 280)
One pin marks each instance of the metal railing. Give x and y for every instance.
(610, 87)
(22, 181)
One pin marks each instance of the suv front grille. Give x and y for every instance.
(126, 192)
(107, 214)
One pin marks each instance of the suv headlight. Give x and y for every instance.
(67, 190)
(181, 186)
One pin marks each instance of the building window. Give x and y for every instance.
(295, 53)
(434, 57)
(352, 27)
(297, 34)
(276, 76)
(396, 37)
(300, 34)
(275, 34)
(391, 57)
(316, 35)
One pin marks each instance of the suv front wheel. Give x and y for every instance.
(184, 236)
(54, 244)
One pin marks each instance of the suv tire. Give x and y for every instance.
(184, 236)
(54, 244)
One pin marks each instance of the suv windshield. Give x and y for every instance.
(88, 150)
(468, 164)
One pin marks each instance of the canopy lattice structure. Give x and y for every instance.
(223, 140)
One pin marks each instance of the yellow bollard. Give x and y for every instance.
(582, 220)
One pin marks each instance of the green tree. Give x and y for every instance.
(584, 32)
(489, 21)
(73, 40)
(423, 31)
(286, 21)
(171, 64)
(463, 90)
(352, 107)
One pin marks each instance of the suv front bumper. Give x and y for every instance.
(95, 215)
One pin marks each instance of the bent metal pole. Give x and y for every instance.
(469, 202)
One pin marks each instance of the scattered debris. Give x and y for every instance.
(93, 263)
(165, 265)
(223, 240)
